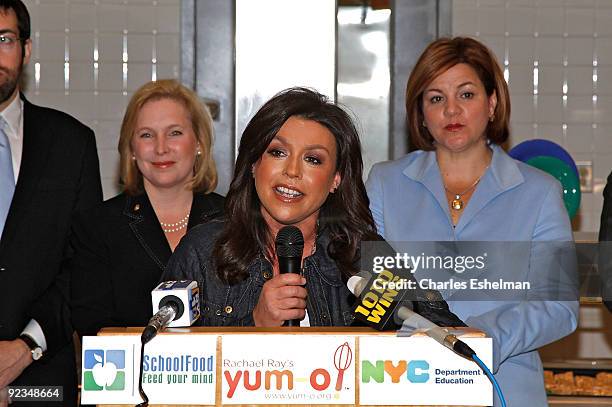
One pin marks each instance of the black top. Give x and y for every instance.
(605, 254)
(120, 254)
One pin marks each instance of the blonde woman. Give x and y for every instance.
(122, 247)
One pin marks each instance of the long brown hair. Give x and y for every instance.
(437, 58)
(345, 215)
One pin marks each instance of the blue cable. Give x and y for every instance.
(490, 375)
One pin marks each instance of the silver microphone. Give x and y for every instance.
(163, 317)
(159, 322)
(410, 319)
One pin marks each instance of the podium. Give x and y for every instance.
(283, 366)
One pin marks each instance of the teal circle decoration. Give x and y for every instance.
(565, 174)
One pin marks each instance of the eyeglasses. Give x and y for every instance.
(8, 42)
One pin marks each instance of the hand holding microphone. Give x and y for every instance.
(283, 298)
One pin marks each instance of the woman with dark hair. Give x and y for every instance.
(299, 163)
(460, 185)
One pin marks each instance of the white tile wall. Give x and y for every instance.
(550, 20)
(569, 43)
(111, 47)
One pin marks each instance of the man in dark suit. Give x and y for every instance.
(605, 246)
(48, 171)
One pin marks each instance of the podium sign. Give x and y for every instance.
(272, 366)
(288, 369)
(394, 370)
(172, 373)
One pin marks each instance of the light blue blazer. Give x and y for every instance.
(512, 202)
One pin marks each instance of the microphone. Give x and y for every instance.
(289, 249)
(377, 304)
(379, 296)
(159, 322)
(175, 303)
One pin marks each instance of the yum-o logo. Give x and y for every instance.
(320, 379)
(415, 371)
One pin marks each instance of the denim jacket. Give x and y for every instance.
(329, 302)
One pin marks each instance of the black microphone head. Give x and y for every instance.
(289, 242)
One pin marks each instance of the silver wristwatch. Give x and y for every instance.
(36, 350)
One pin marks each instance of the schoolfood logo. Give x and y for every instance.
(178, 369)
(414, 371)
(104, 370)
(280, 375)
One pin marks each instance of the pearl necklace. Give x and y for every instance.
(175, 227)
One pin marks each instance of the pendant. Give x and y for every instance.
(457, 203)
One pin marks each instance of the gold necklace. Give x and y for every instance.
(457, 204)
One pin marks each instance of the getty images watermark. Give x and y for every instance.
(476, 270)
(458, 264)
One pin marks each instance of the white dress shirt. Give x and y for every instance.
(13, 115)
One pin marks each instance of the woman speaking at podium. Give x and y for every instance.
(299, 163)
(122, 246)
(461, 186)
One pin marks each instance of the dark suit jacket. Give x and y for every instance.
(605, 254)
(59, 175)
(120, 254)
